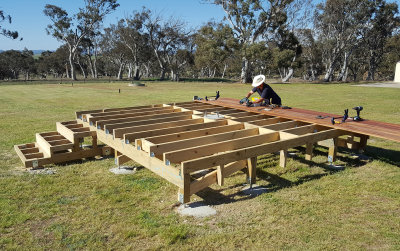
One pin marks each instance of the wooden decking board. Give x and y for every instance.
(367, 127)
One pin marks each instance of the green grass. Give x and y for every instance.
(84, 206)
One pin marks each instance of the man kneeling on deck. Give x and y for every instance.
(267, 94)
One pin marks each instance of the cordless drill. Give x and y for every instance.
(358, 109)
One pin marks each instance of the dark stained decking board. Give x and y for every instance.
(367, 127)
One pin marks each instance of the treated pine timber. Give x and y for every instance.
(149, 121)
(145, 133)
(155, 165)
(92, 119)
(210, 149)
(118, 133)
(167, 138)
(193, 165)
(100, 123)
(71, 135)
(211, 178)
(367, 127)
(159, 149)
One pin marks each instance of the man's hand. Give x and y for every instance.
(243, 100)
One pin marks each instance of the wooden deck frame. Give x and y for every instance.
(176, 140)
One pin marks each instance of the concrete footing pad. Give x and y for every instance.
(196, 209)
(123, 170)
(255, 190)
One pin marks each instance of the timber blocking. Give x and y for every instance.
(180, 143)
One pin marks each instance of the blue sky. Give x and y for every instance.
(28, 18)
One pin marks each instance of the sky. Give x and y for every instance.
(30, 22)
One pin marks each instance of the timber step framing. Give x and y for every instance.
(191, 144)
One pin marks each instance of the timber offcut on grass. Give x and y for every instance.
(182, 143)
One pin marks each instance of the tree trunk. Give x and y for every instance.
(288, 75)
(223, 72)
(67, 71)
(174, 76)
(245, 76)
(82, 70)
(372, 67)
(329, 72)
(342, 75)
(136, 75)
(162, 74)
(72, 65)
(121, 67)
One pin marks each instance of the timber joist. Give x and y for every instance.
(191, 144)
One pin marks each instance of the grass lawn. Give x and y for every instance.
(307, 206)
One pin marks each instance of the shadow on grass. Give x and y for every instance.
(276, 182)
(385, 155)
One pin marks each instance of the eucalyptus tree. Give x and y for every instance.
(215, 43)
(382, 25)
(166, 38)
(132, 33)
(73, 29)
(252, 20)
(338, 23)
(114, 52)
(6, 32)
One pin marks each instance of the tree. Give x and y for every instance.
(338, 23)
(131, 32)
(114, 52)
(166, 39)
(215, 43)
(253, 19)
(311, 54)
(375, 35)
(6, 32)
(87, 19)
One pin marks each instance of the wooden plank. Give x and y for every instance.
(254, 151)
(43, 145)
(144, 133)
(270, 121)
(121, 159)
(100, 123)
(79, 114)
(146, 121)
(104, 116)
(159, 149)
(211, 178)
(132, 108)
(220, 175)
(118, 133)
(250, 118)
(155, 165)
(284, 125)
(205, 150)
(133, 111)
(194, 134)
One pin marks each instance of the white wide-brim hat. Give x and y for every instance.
(258, 80)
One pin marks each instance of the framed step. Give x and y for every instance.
(30, 155)
(52, 142)
(73, 131)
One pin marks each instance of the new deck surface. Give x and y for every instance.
(367, 127)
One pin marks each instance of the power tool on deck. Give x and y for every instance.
(344, 117)
(217, 96)
(358, 109)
